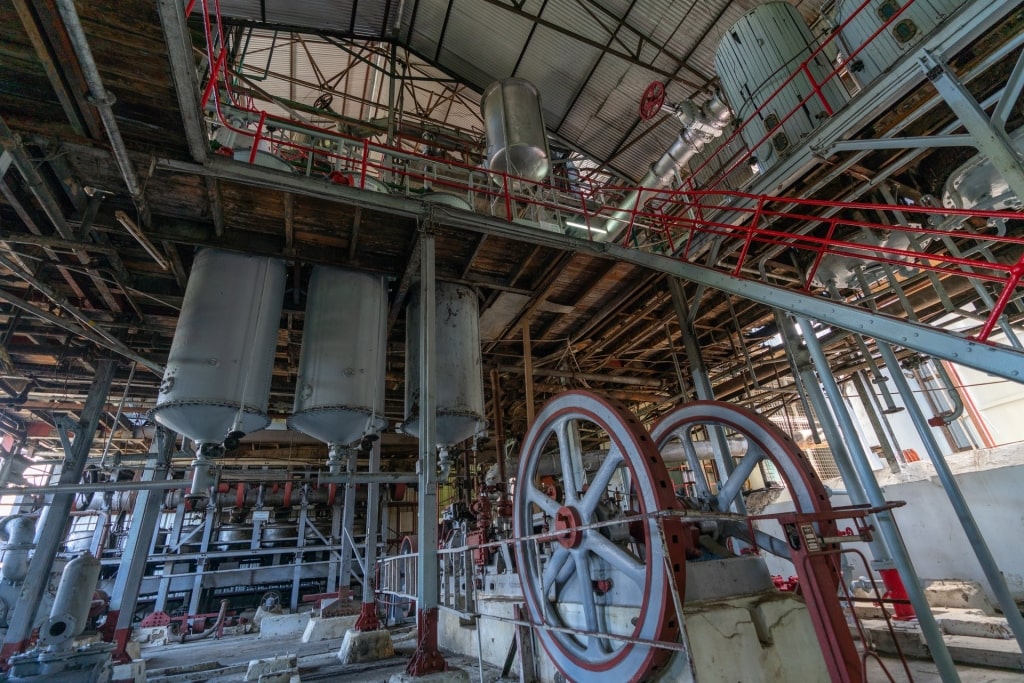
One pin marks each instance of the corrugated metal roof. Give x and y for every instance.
(590, 59)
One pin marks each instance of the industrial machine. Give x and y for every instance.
(628, 572)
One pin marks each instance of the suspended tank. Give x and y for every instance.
(517, 142)
(754, 59)
(905, 31)
(222, 353)
(339, 395)
(459, 388)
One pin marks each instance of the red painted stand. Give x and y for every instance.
(427, 659)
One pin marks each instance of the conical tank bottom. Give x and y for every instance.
(207, 423)
(450, 429)
(335, 425)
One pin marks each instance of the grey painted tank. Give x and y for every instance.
(754, 59)
(222, 354)
(339, 395)
(459, 390)
(906, 31)
(71, 604)
(517, 142)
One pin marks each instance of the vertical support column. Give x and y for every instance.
(367, 620)
(528, 372)
(348, 524)
(702, 383)
(956, 498)
(334, 562)
(427, 659)
(52, 533)
(884, 520)
(204, 548)
(145, 517)
(866, 395)
(170, 568)
(300, 545)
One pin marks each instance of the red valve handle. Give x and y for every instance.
(652, 100)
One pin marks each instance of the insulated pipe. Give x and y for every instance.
(701, 125)
(103, 102)
(17, 532)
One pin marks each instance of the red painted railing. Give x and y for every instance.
(674, 222)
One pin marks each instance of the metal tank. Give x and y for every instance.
(339, 395)
(459, 390)
(446, 199)
(978, 185)
(17, 533)
(71, 605)
(517, 142)
(222, 354)
(905, 31)
(754, 59)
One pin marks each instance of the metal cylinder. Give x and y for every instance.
(71, 604)
(517, 142)
(219, 368)
(17, 533)
(905, 31)
(339, 395)
(459, 392)
(753, 61)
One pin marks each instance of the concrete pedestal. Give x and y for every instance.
(284, 625)
(366, 646)
(451, 676)
(132, 672)
(321, 628)
(271, 669)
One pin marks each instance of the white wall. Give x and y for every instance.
(992, 481)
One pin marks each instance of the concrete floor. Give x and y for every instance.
(318, 662)
(925, 672)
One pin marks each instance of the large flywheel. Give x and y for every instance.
(691, 422)
(589, 582)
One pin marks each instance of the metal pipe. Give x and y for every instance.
(586, 376)
(103, 102)
(192, 637)
(117, 415)
(701, 125)
(344, 477)
(884, 519)
(996, 580)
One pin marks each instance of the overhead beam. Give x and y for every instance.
(997, 360)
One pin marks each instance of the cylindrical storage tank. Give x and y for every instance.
(73, 599)
(222, 354)
(517, 142)
(339, 395)
(459, 389)
(754, 59)
(906, 31)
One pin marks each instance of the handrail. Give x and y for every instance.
(667, 217)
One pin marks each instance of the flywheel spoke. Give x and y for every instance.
(568, 453)
(548, 505)
(617, 557)
(599, 482)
